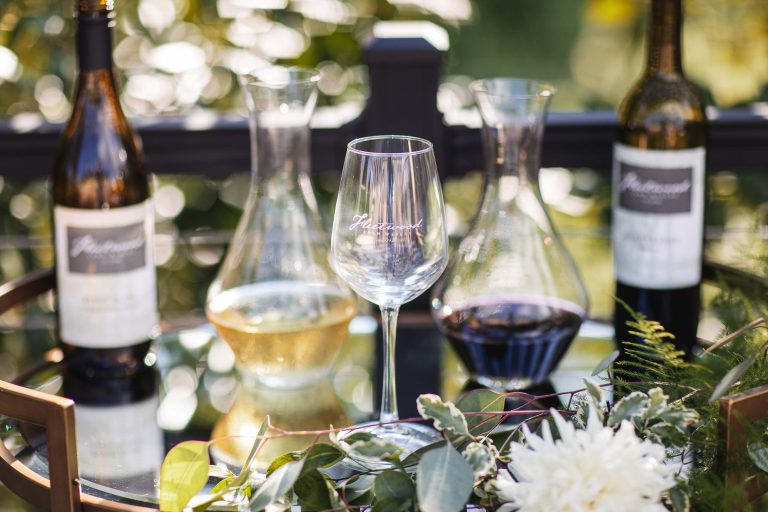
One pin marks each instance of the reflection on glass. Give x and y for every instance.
(119, 444)
(315, 407)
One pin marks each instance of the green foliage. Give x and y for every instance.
(446, 416)
(667, 400)
(444, 480)
(183, 474)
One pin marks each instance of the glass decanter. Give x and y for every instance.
(276, 301)
(512, 299)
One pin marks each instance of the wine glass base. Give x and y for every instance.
(408, 436)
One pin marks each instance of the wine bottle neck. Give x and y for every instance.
(94, 41)
(664, 54)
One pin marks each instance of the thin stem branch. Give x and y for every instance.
(735, 334)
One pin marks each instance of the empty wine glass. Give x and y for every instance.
(389, 244)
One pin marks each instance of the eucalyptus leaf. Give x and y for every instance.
(481, 458)
(284, 459)
(444, 480)
(358, 488)
(246, 471)
(394, 484)
(313, 492)
(606, 362)
(223, 484)
(322, 455)
(445, 415)
(657, 402)
(276, 485)
(183, 474)
(758, 452)
(629, 408)
(731, 378)
(594, 392)
(376, 448)
(680, 501)
(480, 400)
(360, 435)
(392, 505)
(680, 418)
(414, 457)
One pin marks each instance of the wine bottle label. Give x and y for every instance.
(106, 276)
(119, 441)
(658, 216)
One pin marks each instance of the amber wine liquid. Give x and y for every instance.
(283, 333)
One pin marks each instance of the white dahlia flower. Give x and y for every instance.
(595, 469)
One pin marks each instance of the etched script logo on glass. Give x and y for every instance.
(391, 229)
(106, 250)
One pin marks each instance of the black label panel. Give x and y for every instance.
(648, 190)
(106, 250)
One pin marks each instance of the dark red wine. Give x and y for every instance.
(517, 340)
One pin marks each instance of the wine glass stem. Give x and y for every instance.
(389, 390)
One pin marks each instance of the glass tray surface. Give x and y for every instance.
(198, 395)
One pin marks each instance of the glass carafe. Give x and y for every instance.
(276, 301)
(512, 299)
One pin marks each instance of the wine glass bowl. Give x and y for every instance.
(389, 234)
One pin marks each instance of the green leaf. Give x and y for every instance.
(394, 484)
(481, 458)
(357, 489)
(322, 455)
(444, 480)
(246, 471)
(392, 505)
(376, 448)
(284, 459)
(758, 452)
(223, 484)
(446, 416)
(668, 435)
(183, 473)
(277, 484)
(480, 400)
(313, 492)
(415, 456)
(606, 362)
(657, 402)
(632, 406)
(360, 435)
(731, 378)
(679, 500)
(594, 392)
(680, 418)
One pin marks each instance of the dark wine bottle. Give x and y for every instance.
(103, 218)
(658, 188)
(119, 443)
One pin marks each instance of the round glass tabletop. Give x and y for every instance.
(125, 426)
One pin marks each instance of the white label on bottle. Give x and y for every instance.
(105, 275)
(658, 216)
(118, 441)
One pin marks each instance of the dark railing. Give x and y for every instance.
(404, 76)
